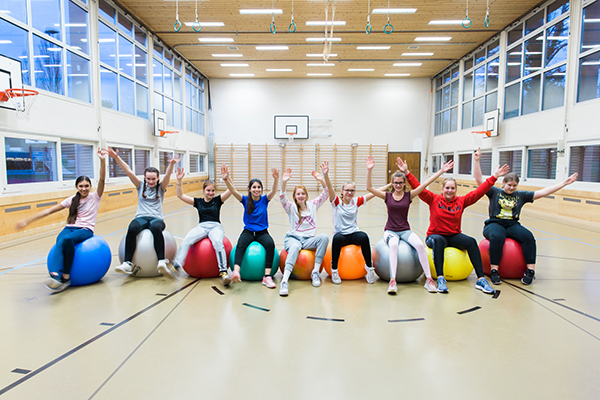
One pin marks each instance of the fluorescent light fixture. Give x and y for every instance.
(241, 75)
(559, 74)
(532, 52)
(109, 40)
(513, 63)
(591, 63)
(529, 69)
(204, 24)
(235, 65)
(320, 65)
(313, 39)
(361, 69)
(52, 65)
(262, 11)
(227, 55)
(586, 20)
(394, 11)
(278, 70)
(5, 41)
(22, 56)
(322, 23)
(557, 38)
(417, 54)
(56, 49)
(397, 74)
(319, 74)
(73, 25)
(446, 22)
(83, 40)
(321, 55)
(215, 40)
(407, 64)
(433, 39)
(373, 47)
(5, 11)
(272, 47)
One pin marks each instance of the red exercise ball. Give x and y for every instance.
(351, 264)
(512, 265)
(201, 260)
(304, 264)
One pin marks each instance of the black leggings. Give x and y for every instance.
(462, 242)
(261, 237)
(155, 225)
(497, 232)
(358, 238)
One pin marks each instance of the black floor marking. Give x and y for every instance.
(216, 289)
(559, 299)
(106, 324)
(161, 294)
(468, 310)
(258, 308)
(554, 302)
(406, 320)
(21, 371)
(497, 294)
(325, 319)
(92, 340)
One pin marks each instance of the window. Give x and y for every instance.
(77, 160)
(436, 163)
(541, 163)
(589, 54)
(163, 160)
(449, 157)
(142, 160)
(29, 161)
(585, 160)
(167, 85)
(464, 164)
(114, 170)
(446, 102)
(486, 163)
(194, 110)
(514, 160)
(193, 163)
(201, 158)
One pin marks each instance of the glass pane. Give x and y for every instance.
(45, 17)
(468, 87)
(140, 36)
(141, 67)
(557, 8)
(491, 101)
(589, 77)
(438, 125)
(492, 75)
(541, 163)
(557, 38)
(446, 121)
(453, 119)
(163, 159)
(78, 77)
(127, 96)
(585, 160)
(141, 101)
(511, 101)
(454, 93)
(468, 64)
(486, 163)
(479, 81)
(15, 8)
(76, 27)
(438, 99)
(515, 35)
(177, 65)
(193, 163)
(533, 54)
(168, 58)
(464, 164)
(158, 75)
(188, 73)
(513, 63)
(125, 56)
(534, 22)
(195, 121)
(531, 95)
(467, 117)
(446, 97)
(169, 110)
(177, 87)
(478, 111)
(188, 119)
(48, 65)
(158, 101)
(513, 159)
(107, 43)
(125, 25)
(77, 160)
(142, 160)
(30, 161)
(168, 82)
(493, 48)
(479, 57)
(449, 157)
(108, 88)
(158, 50)
(590, 34)
(114, 170)
(177, 117)
(106, 11)
(18, 48)
(438, 82)
(201, 123)
(554, 88)
(455, 73)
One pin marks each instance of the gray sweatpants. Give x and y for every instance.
(213, 231)
(294, 244)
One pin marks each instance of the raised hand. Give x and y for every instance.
(180, 173)
(224, 172)
(477, 155)
(571, 179)
(287, 174)
(317, 176)
(502, 170)
(402, 165)
(102, 154)
(275, 173)
(370, 162)
(175, 159)
(113, 153)
(325, 167)
(447, 166)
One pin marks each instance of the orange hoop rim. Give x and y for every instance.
(163, 133)
(14, 92)
(486, 133)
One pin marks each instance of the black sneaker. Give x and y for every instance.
(495, 277)
(529, 277)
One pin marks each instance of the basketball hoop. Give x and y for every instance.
(171, 135)
(478, 137)
(21, 99)
(291, 135)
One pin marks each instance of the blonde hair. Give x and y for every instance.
(298, 205)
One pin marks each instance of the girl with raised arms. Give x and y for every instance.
(83, 210)
(149, 214)
(397, 227)
(256, 223)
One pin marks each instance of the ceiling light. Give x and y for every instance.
(319, 74)
(373, 47)
(272, 47)
(446, 22)
(227, 55)
(417, 54)
(313, 39)
(432, 39)
(278, 70)
(331, 55)
(407, 64)
(241, 75)
(5, 41)
(394, 11)
(361, 69)
(320, 65)
(204, 24)
(322, 23)
(262, 11)
(215, 40)
(235, 65)
(397, 74)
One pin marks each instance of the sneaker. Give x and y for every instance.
(284, 289)
(268, 282)
(165, 269)
(430, 285)
(392, 288)
(529, 277)
(370, 274)
(56, 285)
(225, 278)
(125, 268)
(483, 285)
(316, 279)
(441, 285)
(495, 277)
(235, 277)
(335, 277)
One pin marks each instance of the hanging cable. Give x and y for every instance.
(327, 46)
(177, 25)
(388, 28)
(467, 21)
(196, 23)
(369, 27)
(272, 27)
(292, 27)
(486, 21)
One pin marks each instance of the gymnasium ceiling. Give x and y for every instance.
(249, 31)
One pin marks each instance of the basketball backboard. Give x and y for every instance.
(160, 122)
(490, 122)
(10, 78)
(295, 126)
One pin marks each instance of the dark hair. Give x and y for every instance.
(399, 174)
(511, 177)
(151, 170)
(206, 183)
(75, 202)
(250, 202)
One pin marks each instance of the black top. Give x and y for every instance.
(505, 206)
(208, 211)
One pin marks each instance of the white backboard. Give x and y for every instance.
(10, 77)
(287, 124)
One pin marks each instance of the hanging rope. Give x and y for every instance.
(177, 25)
(292, 27)
(196, 23)
(369, 27)
(467, 21)
(486, 21)
(272, 27)
(388, 28)
(327, 46)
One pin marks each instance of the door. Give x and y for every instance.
(413, 159)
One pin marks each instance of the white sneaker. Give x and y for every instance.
(370, 274)
(165, 269)
(125, 268)
(335, 276)
(284, 289)
(316, 279)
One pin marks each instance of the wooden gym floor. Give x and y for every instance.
(155, 338)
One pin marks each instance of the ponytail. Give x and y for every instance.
(75, 202)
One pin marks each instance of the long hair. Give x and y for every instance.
(206, 183)
(298, 205)
(449, 179)
(511, 177)
(399, 174)
(75, 203)
(250, 202)
(151, 170)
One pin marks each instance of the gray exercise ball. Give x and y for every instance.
(145, 255)
(409, 267)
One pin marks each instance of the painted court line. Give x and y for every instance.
(325, 319)
(256, 307)
(468, 310)
(406, 320)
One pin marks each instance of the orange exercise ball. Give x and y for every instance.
(351, 264)
(304, 264)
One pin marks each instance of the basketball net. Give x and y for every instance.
(171, 135)
(21, 99)
(291, 136)
(478, 137)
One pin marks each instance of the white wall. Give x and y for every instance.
(364, 111)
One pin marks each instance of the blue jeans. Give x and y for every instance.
(65, 248)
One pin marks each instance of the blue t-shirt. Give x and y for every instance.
(259, 219)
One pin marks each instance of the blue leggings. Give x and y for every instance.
(65, 248)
